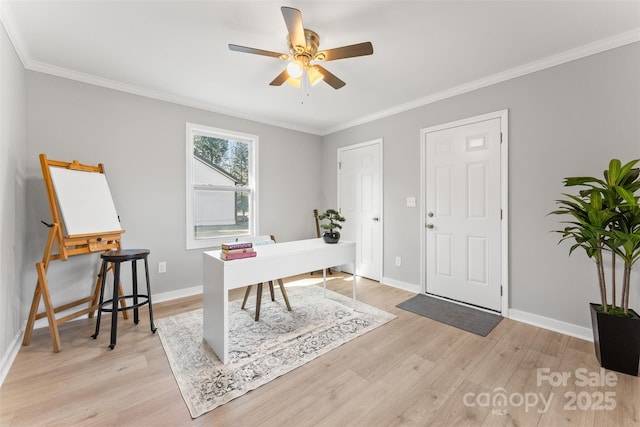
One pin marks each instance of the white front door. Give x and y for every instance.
(463, 213)
(360, 202)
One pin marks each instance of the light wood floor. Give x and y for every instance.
(410, 372)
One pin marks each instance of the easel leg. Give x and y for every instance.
(123, 302)
(48, 306)
(32, 315)
(42, 290)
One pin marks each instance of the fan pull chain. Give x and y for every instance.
(304, 84)
(307, 82)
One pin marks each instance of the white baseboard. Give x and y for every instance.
(552, 324)
(517, 315)
(10, 355)
(165, 296)
(180, 293)
(401, 285)
(13, 350)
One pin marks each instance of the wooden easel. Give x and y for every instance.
(67, 246)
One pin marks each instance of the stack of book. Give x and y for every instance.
(237, 250)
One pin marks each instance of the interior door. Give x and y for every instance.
(463, 213)
(359, 190)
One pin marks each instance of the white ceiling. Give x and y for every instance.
(423, 50)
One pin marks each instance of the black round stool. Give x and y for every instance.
(117, 257)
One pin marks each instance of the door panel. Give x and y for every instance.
(463, 197)
(360, 203)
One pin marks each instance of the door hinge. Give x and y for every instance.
(501, 214)
(339, 165)
(500, 290)
(500, 137)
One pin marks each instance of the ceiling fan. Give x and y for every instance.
(303, 49)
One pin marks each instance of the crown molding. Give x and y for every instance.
(9, 24)
(158, 95)
(532, 67)
(609, 43)
(8, 21)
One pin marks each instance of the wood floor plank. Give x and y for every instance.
(412, 371)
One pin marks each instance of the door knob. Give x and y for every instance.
(429, 225)
(375, 218)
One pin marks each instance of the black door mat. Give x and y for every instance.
(462, 317)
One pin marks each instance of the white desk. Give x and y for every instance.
(272, 262)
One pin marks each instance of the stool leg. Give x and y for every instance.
(146, 272)
(103, 277)
(114, 305)
(134, 281)
(273, 296)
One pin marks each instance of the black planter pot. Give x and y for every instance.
(617, 341)
(331, 236)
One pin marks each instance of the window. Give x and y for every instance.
(221, 185)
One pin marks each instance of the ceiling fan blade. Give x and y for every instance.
(282, 77)
(360, 49)
(329, 77)
(245, 49)
(293, 19)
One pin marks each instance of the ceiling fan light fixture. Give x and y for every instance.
(315, 76)
(303, 49)
(294, 68)
(295, 82)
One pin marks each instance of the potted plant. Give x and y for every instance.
(334, 217)
(606, 222)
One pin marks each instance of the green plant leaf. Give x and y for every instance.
(626, 169)
(627, 196)
(614, 172)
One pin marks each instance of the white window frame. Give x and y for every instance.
(251, 187)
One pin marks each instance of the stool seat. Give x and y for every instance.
(115, 258)
(125, 255)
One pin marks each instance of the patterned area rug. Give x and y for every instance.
(261, 351)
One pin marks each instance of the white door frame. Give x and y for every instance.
(503, 115)
(378, 142)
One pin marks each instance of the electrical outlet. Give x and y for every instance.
(162, 267)
(398, 261)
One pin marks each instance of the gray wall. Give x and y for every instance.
(13, 165)
(141, 142)
(564, 121)
(567, 120)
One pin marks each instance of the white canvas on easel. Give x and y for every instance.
(85, 202)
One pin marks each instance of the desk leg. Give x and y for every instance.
(354, 285)
(324, 281)
(215, 310)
